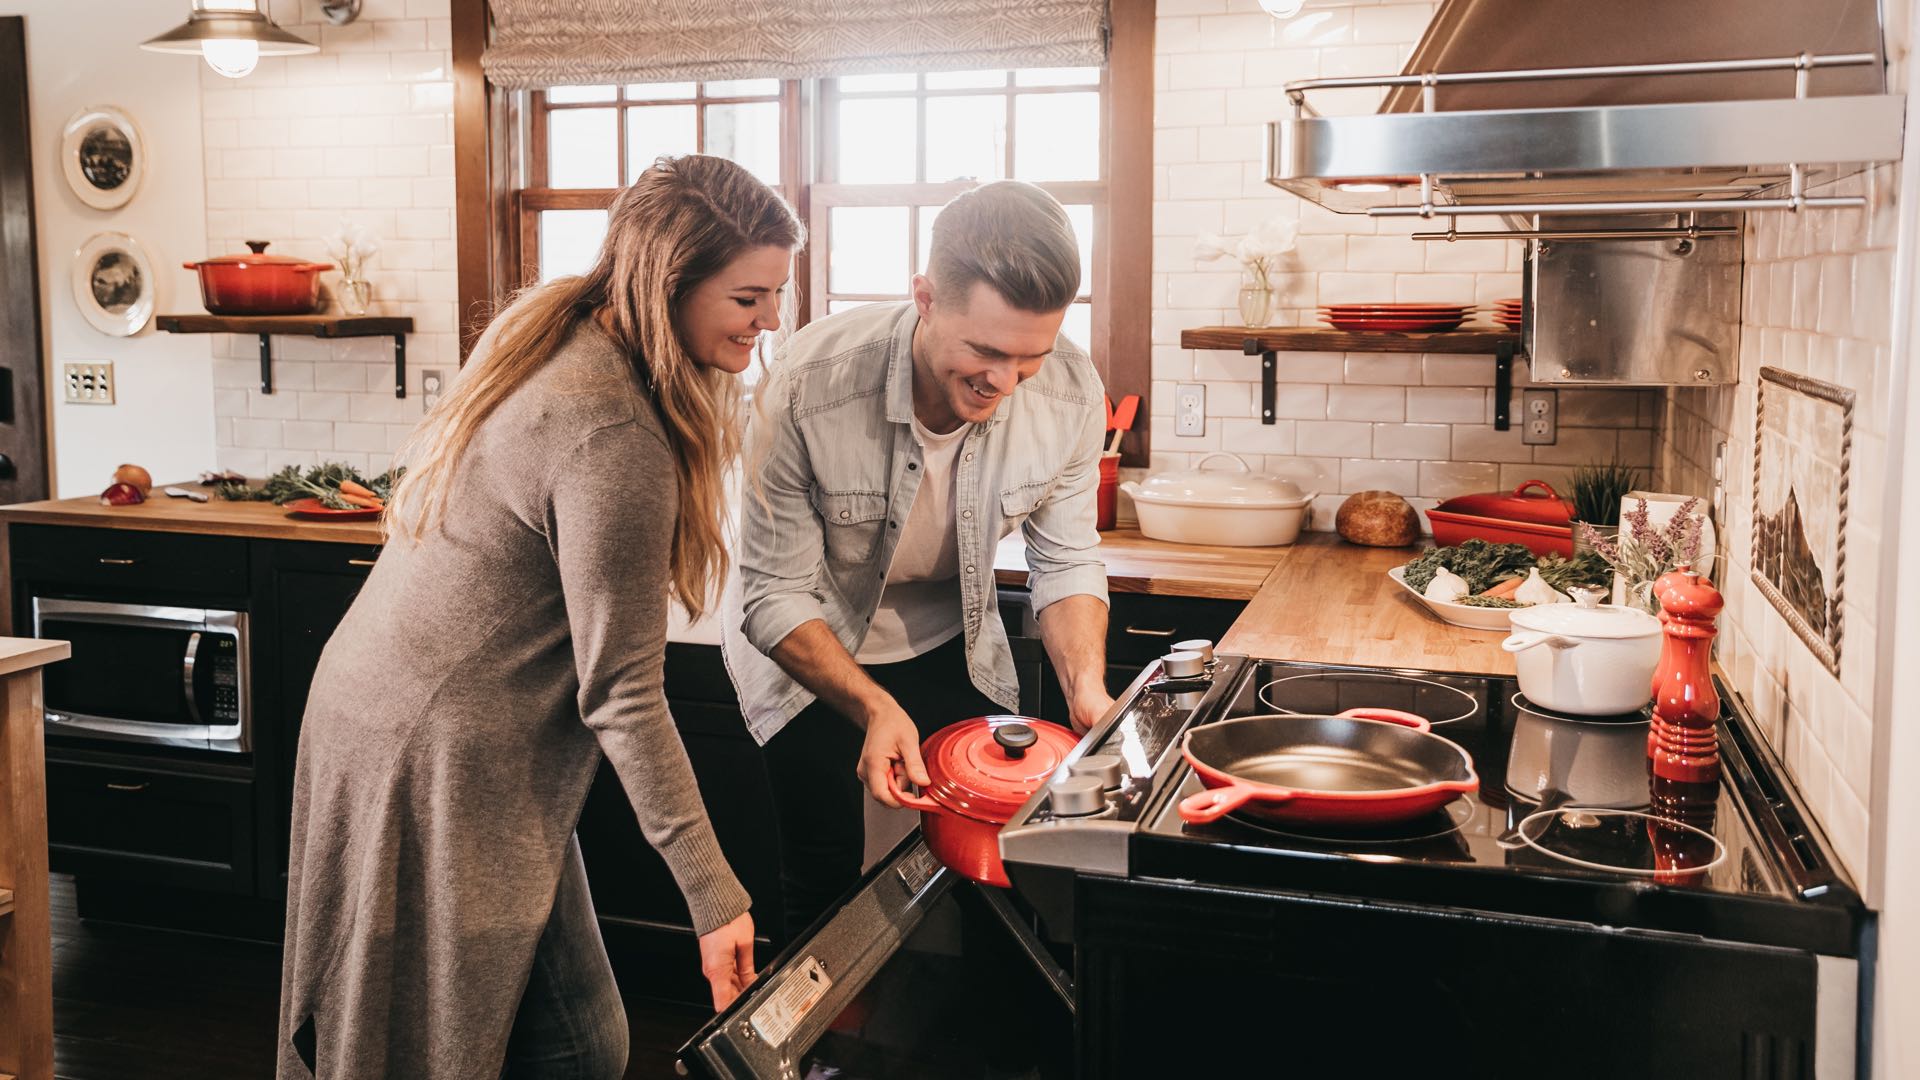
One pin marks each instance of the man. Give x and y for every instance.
(888, 457)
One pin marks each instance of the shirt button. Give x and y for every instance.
(969, 569)
(966, 513)
(846, 513)
(911, 466)
(893, 524)
(969, 455)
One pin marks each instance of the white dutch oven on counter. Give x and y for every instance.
(1585, 658)
(1198, 506)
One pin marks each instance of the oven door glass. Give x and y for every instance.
(173, 676)
(921, 973)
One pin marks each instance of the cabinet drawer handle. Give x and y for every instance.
(359, 562)
(117, 562)
(141, 786)
(1149, 631)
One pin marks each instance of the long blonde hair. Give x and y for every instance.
(680, 223)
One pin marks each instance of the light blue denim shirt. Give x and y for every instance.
(832, 469)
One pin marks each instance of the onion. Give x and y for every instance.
(135, 475)
(122, 495)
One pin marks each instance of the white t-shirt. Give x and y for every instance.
(920, 607)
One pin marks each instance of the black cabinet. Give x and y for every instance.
(168, 823)
(1141, 628)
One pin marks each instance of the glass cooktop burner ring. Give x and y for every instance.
(1456, 815)
(1533, 829)
(1466, 704)
(1641, 718)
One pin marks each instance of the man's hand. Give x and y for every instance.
(1088, 708)
(726, 959)
(892, 748)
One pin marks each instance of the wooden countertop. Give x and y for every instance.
(216, 517)
(1136, 564)
(1332, 602)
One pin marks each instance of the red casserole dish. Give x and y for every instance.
(1540, 522)
(982, 771)
(1362, 767)
(258, 283)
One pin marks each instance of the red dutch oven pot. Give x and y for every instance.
(258, 283)
(982, 770)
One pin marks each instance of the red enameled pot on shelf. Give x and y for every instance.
(259, 284)
(1542, 523)
(982, 770)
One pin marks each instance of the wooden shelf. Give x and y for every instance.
(1314, 339)
(320, 326)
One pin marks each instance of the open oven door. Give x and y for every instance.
(919, 973)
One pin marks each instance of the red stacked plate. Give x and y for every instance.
(1509, 313)
(1395, 318)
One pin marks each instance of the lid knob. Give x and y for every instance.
(258, 247)
(1587, 596)
(1014, 739)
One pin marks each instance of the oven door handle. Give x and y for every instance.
(186, 675)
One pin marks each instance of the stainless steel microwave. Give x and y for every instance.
(171, 676)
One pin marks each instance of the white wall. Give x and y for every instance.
(88, 54)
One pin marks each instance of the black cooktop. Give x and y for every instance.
(1568, 822)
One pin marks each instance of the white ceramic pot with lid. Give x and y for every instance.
(1239, 508)
(1585, 658)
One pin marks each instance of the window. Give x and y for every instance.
(887, 151)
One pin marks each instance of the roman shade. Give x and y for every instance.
(540, 43)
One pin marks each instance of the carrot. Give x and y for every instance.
(348, 487)
(1505, 588)
(361, 500)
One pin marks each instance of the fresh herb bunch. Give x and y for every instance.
(1598, 489)
(319, 482)
(1489, 601)
(1586, 568)
(1480, 563)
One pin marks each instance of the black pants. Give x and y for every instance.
(811, 762)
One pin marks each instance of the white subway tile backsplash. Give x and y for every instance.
(1423, 442)
(1445, 369)
(1247, 436)
(1333, 438)
(1480, 442)
(1373, 474)
(1349, 402)
(1445, 479)
(1447, 405)
(1392, 369)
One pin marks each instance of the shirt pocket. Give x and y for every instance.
(852, 521)
(1018, 502)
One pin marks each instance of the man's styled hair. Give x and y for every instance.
(1011, 235)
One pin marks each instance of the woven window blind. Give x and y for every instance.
(540, 43)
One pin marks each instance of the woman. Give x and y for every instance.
(513, 630)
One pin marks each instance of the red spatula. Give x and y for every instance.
(1120, 421)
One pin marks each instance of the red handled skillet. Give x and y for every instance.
(1362, 767)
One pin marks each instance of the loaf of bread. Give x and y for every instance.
(1377, 519)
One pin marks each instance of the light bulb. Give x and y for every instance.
(231, 57)
(1282, 9)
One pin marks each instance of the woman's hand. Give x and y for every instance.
(726, 959)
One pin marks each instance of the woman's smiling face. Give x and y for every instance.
(722, 318)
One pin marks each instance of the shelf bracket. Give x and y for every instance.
(266, 364)
(400, 365)
(1502, 386)
(1269, 368)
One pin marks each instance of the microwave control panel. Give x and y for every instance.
(226, 679)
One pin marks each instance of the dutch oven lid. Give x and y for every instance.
(1203, 487)
(256, 255)
(1585, 618)
(1546, 508)
(985, 768)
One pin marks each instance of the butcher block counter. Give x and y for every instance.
(1320, 599)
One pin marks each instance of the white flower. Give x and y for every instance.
(1208, 246)
(1273, 237)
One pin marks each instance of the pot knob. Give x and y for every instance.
(1102, 767)
(258, 247)
(1077, 796)
(1014, 739)
(1183, 665)
(1199, 645)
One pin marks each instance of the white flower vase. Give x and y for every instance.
(1254, 300)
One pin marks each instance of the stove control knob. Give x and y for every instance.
(1183, 665)
(1199, 645)
(1102, 767)
(1077, 796)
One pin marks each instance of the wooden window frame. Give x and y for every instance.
(494, 248)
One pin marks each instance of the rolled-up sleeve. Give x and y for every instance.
(1063, 542)
(781, 546)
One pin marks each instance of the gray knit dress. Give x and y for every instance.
(457, 718)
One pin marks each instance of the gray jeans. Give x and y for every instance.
(571, 1024)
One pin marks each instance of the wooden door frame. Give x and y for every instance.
(23, 404)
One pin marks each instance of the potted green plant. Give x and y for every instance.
(1597, 491)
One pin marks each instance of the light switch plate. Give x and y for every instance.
(433, 383)
(1539, 417)
(88, 383)
(1190, 409)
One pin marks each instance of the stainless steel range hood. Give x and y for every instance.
(1519, 107)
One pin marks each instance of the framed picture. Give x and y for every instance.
(1802, 450)
(113, 283)
(103, 156)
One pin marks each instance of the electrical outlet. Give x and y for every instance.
(1190, 409)
(1539, 417)
(88, 384)
(433, 382)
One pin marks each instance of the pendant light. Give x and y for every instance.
(233, 35)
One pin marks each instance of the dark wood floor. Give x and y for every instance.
(130, 1002)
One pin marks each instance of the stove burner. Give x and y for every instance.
(1642, 717)
(1325, 693)
(1442, 822)
(1622, 842)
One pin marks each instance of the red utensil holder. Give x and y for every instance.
(1107, 499)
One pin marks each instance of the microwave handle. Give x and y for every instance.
(186, 676)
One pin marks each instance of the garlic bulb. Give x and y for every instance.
(1535, 590)
(1446, 587)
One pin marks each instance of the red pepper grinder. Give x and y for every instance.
(1682, 741)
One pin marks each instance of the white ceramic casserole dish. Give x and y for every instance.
(1585, 658)
(1236, 509)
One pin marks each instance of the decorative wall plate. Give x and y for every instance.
(113, 283)
(103, 156)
